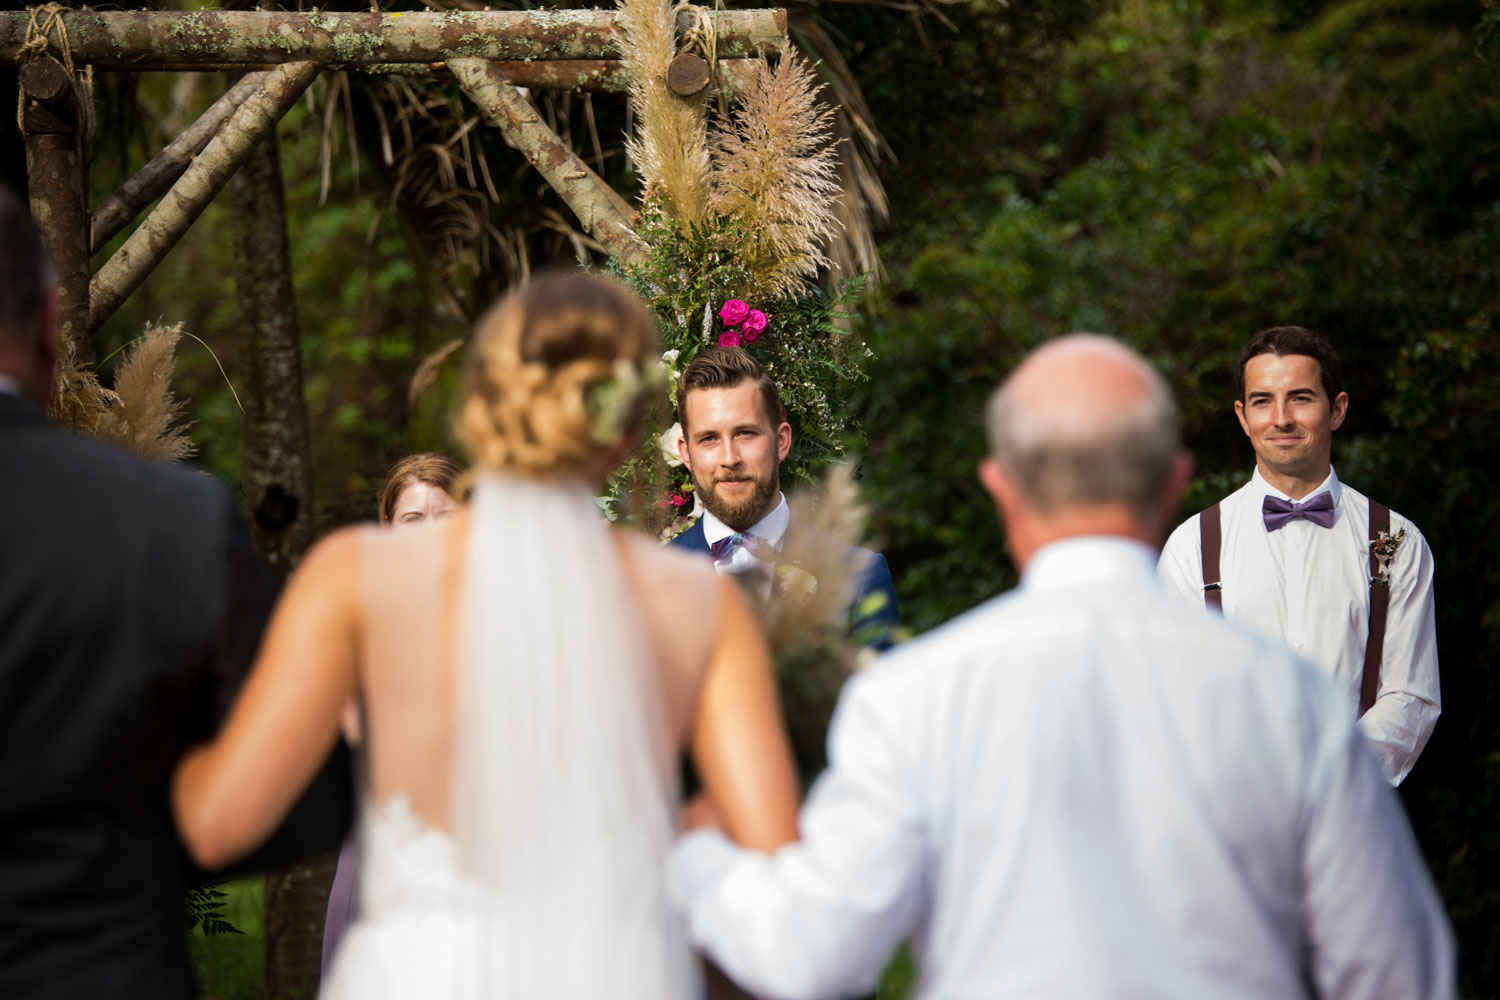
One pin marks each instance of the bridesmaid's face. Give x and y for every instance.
(421, 502)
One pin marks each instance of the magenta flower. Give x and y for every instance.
(755, 325)
(729, 338)
(734, 312)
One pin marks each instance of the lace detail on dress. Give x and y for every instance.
(407, 865)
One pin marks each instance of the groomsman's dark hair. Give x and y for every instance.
(725, 368)
(25, 274)
(1284, 340)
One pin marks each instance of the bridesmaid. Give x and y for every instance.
(418, 488)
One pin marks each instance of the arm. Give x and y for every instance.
(1372, 923)
(821, 917)
(1407, 703)
(230, 794)
(1180, 568)
(739, 742)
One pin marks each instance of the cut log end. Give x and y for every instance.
(687, 74)
(44, 79)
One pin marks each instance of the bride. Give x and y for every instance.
(530, 677)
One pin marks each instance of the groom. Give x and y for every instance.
(734, 438)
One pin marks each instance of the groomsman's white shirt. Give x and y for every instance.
(1084, 788)
(771, 528)
(1309, 587)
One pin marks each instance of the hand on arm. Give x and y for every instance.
(230, 794)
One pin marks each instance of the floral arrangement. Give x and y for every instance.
(1383, 548)
(737, 208)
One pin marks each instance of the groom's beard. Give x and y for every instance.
(744, 514)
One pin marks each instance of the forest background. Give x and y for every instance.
(1179, 174)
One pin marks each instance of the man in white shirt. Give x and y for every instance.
(1083, 788)
(734, 438)
(1290, 552)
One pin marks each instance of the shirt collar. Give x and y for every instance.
(9, 386)
(1331, 484)
(1090, 559)
(772, 527)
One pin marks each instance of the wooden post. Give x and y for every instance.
(55, 175)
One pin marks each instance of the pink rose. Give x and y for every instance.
(755, 325)
(734, 312)
(729, 338)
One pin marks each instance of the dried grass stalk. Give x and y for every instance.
(145, 414)
(670, 147)
(815, 575)
(776, 171)
(79, 402)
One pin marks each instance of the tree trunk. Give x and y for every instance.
(278, 492)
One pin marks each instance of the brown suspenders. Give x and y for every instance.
(1210, 541)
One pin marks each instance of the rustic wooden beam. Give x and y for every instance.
(55, 173)
(604, 214)
(161, 230)
(338, 40)
(116, 211)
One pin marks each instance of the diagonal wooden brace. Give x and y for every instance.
(153, 238)
(117, 211)
(604, 214)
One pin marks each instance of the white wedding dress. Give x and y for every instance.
(525, 715)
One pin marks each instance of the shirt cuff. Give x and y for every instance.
(699, 860)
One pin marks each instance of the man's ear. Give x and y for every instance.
(1171, 496)
(783, 441)
(1239, 411)
(1338, 411)
(996, 484)
(682, 451)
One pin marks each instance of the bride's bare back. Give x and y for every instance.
(375, 615)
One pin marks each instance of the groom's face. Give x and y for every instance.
(734, 452)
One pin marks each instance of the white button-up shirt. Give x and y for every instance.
(1309, 587)
(740, 560)
(1084, 788)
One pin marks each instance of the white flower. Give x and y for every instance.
(669, 358)
(668, 444)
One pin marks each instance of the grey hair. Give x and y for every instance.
(1075, 452)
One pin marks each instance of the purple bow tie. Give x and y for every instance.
(724, 546)
(1277, 512)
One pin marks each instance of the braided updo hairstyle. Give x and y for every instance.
(538, 365)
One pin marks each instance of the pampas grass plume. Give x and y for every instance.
(145, 411)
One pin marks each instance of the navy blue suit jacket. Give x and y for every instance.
(874, 578)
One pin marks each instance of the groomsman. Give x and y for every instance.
(131, 601)
(734, 438)
(1340, 578)
(1083, 788)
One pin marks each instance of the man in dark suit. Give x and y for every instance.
(734, 438)
(131, 601)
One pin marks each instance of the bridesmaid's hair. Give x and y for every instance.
(428, 467)
(557, 377)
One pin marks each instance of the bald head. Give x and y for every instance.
(1085, 422)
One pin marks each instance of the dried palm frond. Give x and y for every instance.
(815, 575)
(670, 146)
(427, 372)
(79, 400)
(775, 171)
(144, 417)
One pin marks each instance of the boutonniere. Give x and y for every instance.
(797, 584)
(1383, 549)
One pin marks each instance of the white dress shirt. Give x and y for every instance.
(1309, 587)
(1083, 788)
(740, 560)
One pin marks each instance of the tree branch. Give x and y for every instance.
(161, 230)
(604, 214)
(171, 38)
(116, 211)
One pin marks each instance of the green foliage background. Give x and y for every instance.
(1176, 173)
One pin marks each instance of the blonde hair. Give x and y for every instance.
(539, 363)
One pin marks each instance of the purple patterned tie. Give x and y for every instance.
(724, 547)
(1277, 512)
